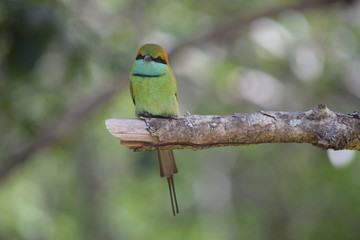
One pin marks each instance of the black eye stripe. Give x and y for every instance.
(158, 59)
(139, 57)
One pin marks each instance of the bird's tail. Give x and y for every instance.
(168, 169)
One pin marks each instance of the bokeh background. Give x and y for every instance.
(64, 67)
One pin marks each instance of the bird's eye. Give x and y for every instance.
(159, 60)
(139, 57)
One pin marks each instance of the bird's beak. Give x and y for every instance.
(147, 58)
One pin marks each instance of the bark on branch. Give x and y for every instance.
(319, 126)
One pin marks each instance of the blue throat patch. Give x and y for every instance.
(142, 68)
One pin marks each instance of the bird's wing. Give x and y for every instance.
(173, 81)
(131, 91)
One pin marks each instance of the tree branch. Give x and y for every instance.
(320, 127)
(70, 120)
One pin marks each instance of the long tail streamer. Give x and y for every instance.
(174, 204)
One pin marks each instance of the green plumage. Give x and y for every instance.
(153, 84)
(154, 92)
(155, 95)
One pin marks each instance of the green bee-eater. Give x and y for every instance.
(154, 92)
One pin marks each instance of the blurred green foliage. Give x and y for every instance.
(56, 53)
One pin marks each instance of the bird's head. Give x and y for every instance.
(152, 53)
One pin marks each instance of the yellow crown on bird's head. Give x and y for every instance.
(154, 50)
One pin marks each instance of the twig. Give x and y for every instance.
(319, 126)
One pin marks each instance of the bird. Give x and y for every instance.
(153, 90)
